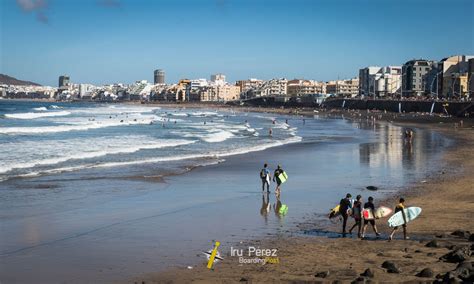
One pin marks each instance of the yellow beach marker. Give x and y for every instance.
(213, 255)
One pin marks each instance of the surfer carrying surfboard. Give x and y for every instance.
(400, 208)
(357, 215)
(265, 176)
(370, 205)
(277, 179)
(344, 206)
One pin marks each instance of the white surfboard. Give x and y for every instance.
(410, 213)
(268, 179)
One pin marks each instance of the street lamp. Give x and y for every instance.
(460, 85)
(431, 86)
(469, 85)
(373, 85)
(401, 84)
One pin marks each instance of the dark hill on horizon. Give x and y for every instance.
(5, 79)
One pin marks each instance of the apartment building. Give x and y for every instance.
(346, 88)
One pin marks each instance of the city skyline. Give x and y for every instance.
(102, 42)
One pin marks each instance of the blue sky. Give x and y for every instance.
(107, 41)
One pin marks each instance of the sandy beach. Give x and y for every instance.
(448, 206)
(152, 223)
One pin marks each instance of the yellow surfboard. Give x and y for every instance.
(282, 177)
(334, 212)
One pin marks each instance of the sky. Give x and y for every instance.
(111, 41)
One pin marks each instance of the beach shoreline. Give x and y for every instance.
(309, 231)
(298, 255)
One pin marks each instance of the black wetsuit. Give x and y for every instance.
(276, 174)
(399, 208)
(369, 205)
(358, 205)
(344, 205)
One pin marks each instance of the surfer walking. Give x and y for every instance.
(370, 205)
(344, 206)
(276, 179)
(357, 215)
(265, 176)
(400, 208)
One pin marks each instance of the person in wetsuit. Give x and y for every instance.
(370, 205)
(357, 215)
(277, 172)
(400, 206)
(344, 206)
(264, 176)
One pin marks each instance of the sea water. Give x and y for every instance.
(41, 138)
(100, 193)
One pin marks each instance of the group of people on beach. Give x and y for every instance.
(349, 207)
(266, 178)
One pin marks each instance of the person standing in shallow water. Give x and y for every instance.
(265, 177)
(277, 172)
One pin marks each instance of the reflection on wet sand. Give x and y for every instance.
(265, 209)
(279, 209)
(395, 151)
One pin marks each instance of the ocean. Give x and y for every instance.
(100, 193)
(41, 138)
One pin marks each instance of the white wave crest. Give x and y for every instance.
(40, 109)
(68, 127)
(210, 155)
(218, 136)
(68, 150)
(33, 115)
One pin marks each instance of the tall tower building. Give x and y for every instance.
(63, 81)
(159, 76)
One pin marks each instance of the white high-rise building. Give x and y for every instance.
(218, 79)
(380, 82)
(85, 89)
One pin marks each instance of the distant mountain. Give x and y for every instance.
(5, 79)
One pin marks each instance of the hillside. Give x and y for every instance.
(5, 79)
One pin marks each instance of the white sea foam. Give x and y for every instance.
(33, 115)
(71, 127)
(54, 107)
(40, 109)
(204, 113)
(29, 154)
(217, 136)
(210, 155)
(178, 114)
(214, 132)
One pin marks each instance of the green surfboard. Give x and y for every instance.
(283, 177)
(283, 209)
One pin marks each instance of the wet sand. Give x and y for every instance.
(447, 200)
(101, 226)
(154, 223)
